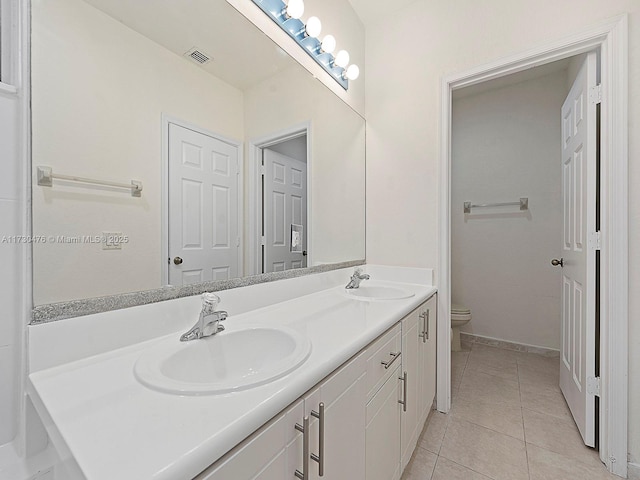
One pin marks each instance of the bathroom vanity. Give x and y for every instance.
(355, 405)
(374, 403)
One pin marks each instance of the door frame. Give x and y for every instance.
(254, 219)
(167, 119)
(611, 37)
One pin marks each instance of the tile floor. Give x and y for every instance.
(508, 421)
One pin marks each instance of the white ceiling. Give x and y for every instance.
(242, 55)
(372, 12)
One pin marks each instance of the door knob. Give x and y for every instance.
(304, 253)
(177, 260)
(555, 262)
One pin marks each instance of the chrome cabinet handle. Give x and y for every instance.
(403, 402)
(424, 335)
(304, 428)
(394, 357)
(320, 457)
(555, 262)
(426, 326)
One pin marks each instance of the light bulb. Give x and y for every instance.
(313, 27)
(353, 72)
(295, 8)
(328, 43)
(342, 58)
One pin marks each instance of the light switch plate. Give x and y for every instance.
(112, 240)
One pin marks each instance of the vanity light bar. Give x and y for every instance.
(279, 12)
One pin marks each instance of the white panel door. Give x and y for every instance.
(577, 361)
(284, 205)
(203, 208)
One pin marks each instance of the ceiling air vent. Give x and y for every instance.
(197, 56)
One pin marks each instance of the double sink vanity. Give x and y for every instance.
(308, 379)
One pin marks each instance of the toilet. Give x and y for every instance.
(460, 315)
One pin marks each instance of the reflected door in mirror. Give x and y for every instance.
(203, 207)
(284, 212)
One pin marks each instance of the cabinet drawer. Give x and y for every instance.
(386, 349)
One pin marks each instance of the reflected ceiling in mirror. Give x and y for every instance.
(119, 93)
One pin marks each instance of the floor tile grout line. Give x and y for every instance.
(524, 431)
(497, 376)
(433, 469)
(491, 429)
(449, 414)
(468, 468)
(565, 420)
(563, 454)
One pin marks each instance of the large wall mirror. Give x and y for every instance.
(247, 163)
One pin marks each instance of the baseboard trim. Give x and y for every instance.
(470, 338)
(633, 471)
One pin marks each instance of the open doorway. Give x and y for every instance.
(523, 191)
(610, 38)
(278, 228)
(284, 205)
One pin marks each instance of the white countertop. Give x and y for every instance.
(116, 428)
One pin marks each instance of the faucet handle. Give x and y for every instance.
(209, 302)
(210, 298)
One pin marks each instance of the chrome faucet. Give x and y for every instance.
(209, 322)
(356, 278)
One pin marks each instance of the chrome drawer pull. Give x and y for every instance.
(403, 402)
(304, 428)
(424, 335)
(393, 359)
(320, 457)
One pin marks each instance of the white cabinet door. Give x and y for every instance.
(411, 343)
(344, 397)
(275, 452)
(383, 431)
(268, 454)
(427, 357)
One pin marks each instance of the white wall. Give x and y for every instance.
(11, 273)
(505, 145)
(337, 159)
(13, 223)
(403, 105)
(75, 71)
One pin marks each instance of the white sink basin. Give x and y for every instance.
(229, 361)
(378, 292)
